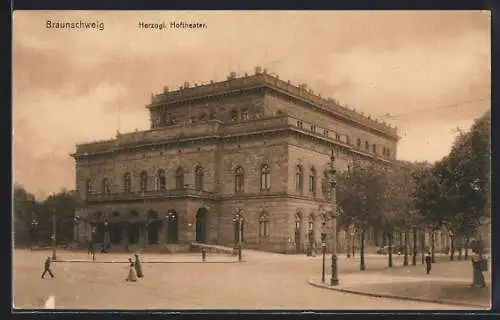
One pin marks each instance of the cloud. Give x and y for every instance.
(71, 86)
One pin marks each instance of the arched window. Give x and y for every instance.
(244, 114)
(263, 226)
(198, 179)
(127, 182)
(312, 181)
(179, 179)
(299, 176)
(358, 143)
(144, 181)
(161, 180)
(105, 186)
(239, 180)
(265, 177)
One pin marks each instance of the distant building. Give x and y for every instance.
(254, 147)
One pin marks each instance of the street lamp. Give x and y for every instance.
(77, 222)
(53, 237)
(106, 237)
(238, 219)
(323, 248)
(34, 226)
(333, 183)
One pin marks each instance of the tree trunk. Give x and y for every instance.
(389, 239)
(467, 248)
(405, 258)
(353, 244)
(460, 250)
(422, 245)
(414, 253)
(452, 248)
(362, 266)
(348, 242)
(433, 247)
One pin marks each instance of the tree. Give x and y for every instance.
(464, 180)
(63, 206)
(25, 206)
(359, 194)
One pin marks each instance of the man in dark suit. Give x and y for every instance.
(428, 263)
(46, 268)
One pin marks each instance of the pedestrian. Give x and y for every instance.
(132, 274)
(479, 264)
(46, 268)
(138, 266)
(428, 263)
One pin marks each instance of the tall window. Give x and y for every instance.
(88, 187)
(367, 145)
(234, 115)
(144, 181)
(127, 182)
(105, 186)
(161, 180)
(263, 226)
(239, 180)
(199, 179)
(244, 114)
(299, 180)
(265, 177)
(179, 179)
(388, 152)
(374, 148)
(358, 143)
(312, 181)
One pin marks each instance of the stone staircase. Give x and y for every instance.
(212, 248)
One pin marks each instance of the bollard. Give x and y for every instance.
(203, 254)
(334, 280)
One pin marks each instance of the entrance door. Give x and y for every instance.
(201, 225)
(153, 230)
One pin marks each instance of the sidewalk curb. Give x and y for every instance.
(147, 262)
(398, 297)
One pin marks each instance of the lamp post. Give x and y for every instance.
(77, 222)
(106, 237)
(53, 237)
(323, 248)
(334, 279)
(34, 226)
(239, 220)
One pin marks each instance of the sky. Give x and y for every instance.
(428, 73)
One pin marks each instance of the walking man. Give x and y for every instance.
(47, 268)
(428, 263)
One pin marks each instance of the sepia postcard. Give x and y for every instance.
(251, 160)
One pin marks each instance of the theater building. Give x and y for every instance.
(242, 160)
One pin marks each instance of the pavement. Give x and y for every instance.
(357, 282)
(264, 281)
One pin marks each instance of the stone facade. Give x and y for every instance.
(253, 147)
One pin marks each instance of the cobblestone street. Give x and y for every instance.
(264, 281)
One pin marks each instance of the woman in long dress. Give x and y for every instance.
(132, 274)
